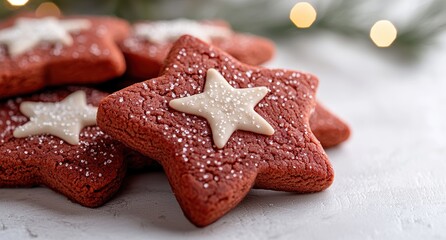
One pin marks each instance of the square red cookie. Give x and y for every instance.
(88, 171)
(258, 136)
(150, 42)
(39, 52)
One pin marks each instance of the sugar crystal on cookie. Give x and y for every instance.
(76, 171)
(206, 180)
(226, 108)
(63, 119)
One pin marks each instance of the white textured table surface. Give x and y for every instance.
(390, 176)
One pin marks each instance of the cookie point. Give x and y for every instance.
(74, 140)
(212, 70)
(173, 103)
(264, 90)
(18, 133)
(25, 108)
(220, 146)
(270, 130)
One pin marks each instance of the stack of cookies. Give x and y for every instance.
(82, 98)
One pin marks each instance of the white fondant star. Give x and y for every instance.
(29, 32)
(168, 31)
(64, 119)
(227, 109)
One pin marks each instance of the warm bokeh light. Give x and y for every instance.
(17, 2)
(383, 33)
(47, 9)
(303, 15)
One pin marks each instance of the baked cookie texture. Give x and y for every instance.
(93, 57)
(207, 181)
(328, 128)
(145, 58)
(88, 173)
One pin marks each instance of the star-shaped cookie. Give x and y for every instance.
(329, 129)
(88, 172)
(209, 181)
(39, 52)
(27, 33)
(148, 45)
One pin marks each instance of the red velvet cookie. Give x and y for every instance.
(83, 163)
(148, 46)
(329, 129)
(39, 52)
(253, 129)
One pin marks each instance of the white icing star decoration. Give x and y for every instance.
(168, 31)
(227, 109)
(64, 119)
(29, 32)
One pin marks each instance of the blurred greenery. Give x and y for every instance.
(342, 16)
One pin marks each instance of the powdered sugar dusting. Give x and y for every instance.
(64, 119)
(85, 160)
(286, 108)
(225, 108)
